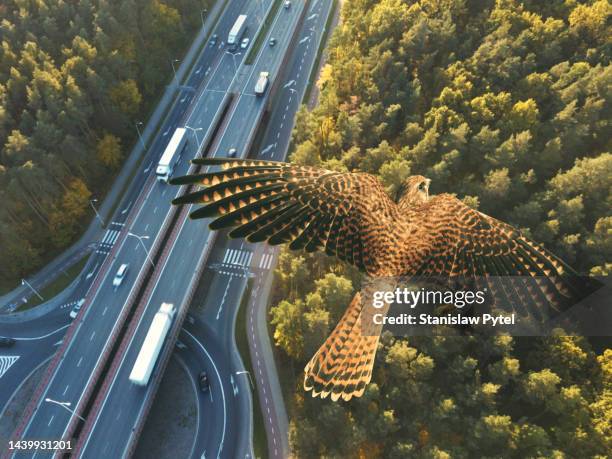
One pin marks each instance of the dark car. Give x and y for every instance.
(6, 342)
(203, 380)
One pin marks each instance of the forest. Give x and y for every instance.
(75, 77)
(506, 104)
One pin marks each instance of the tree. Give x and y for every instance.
(127, 97)
(109, 150)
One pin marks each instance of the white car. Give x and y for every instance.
(244, 44)
(77, 308)
(121, 272)
(287, 4)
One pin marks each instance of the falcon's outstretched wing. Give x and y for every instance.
(468, 244)
(346, 214)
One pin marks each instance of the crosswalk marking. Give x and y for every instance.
(266, 261)
(6, 362)
(236, 257)
(109, 239)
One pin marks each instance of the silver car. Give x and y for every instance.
(121, 273)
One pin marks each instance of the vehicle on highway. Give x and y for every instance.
(272, 41)
(172, 155)
(244, 44)
(6, 342)
(232, 153)
(153, 342)
(287, 4)
(237, 31)
(121, 273)
(262, 84)
(203, 381)
(77, 308)
(213, 40)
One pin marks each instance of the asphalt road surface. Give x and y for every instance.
(97, 321)
(111, 434)
(215, 74)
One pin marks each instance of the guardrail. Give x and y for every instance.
(172, 225)
(59, 355)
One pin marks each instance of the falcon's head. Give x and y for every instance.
(414, 190)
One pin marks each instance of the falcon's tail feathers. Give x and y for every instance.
(342, 367)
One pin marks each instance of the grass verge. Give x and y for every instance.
(263, 31)
(260, 440)
(55, 287)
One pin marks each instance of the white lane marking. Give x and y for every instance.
(66, 389)
(51, 420)
(105, 308)
(43, 336)
(220, 385)
(58, 370)
(267, 149)
(79, 362)
(224, 296)
(92, 335)
(6, 362)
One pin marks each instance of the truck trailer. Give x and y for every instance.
(236, 32)
(172, 154)
(262, 84)
(153, 342)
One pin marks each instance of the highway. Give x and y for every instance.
(145, 216)
(260, 259)
(121, 408)
(114, 436)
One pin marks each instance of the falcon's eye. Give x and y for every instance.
(422, 186)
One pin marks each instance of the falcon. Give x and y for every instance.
(351, 217)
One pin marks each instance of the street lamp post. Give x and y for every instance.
(234, 59)
(195, 134)
(25, 282)
(98, 216)
(174, 70)
(140, 238)
(249, 375)
(139, 123)
(66, 406)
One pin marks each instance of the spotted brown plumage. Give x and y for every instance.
(350, 216)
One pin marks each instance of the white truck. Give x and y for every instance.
(153, 342)
(235, 34)
(262, 84)
(172, 154)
